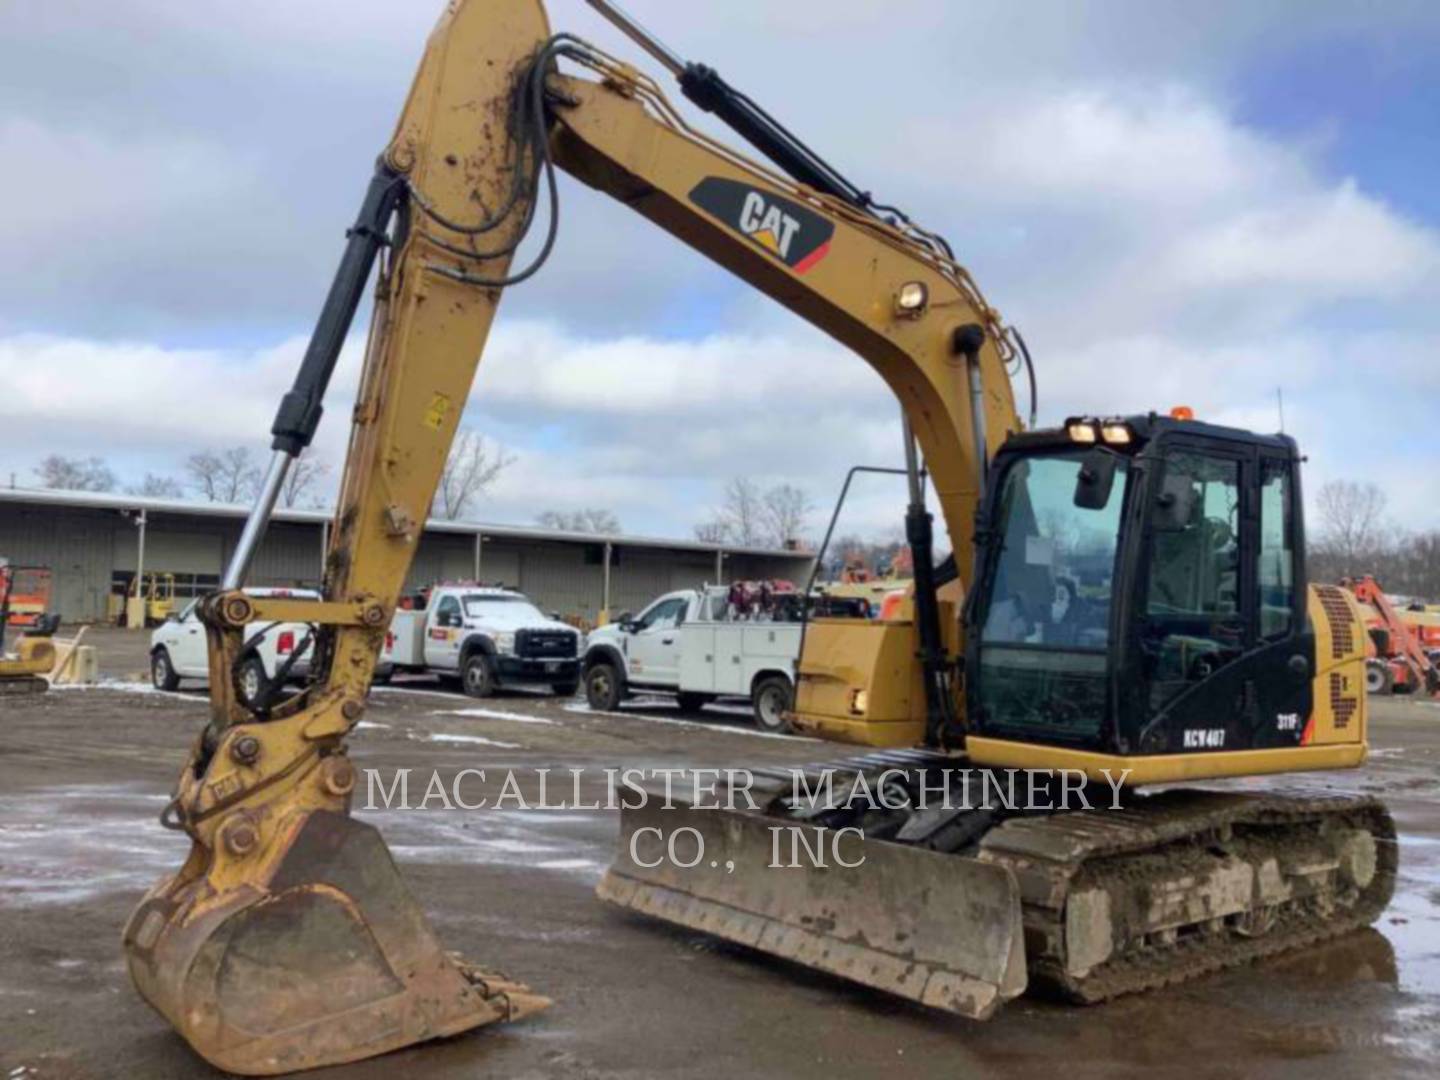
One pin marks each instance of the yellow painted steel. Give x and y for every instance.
(1140, 769)
(847, 658)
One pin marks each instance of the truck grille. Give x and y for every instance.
(547, 644)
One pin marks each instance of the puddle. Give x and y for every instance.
(1412, 922)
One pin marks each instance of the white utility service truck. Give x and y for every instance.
(177, 649)
(692, 644)
(486, 637)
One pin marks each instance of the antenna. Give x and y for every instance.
(1280, 405)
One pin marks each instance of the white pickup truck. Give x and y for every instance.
(487, 638)
(178, 649)
(686, 643)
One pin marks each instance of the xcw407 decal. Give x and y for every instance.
(792, 233)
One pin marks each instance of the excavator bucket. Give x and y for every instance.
(939, 929)
(324, 960)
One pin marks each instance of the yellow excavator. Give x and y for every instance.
(1189, 646)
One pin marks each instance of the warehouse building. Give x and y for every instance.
(93, 543)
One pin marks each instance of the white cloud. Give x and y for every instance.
(1325, 244)
(1155, 249)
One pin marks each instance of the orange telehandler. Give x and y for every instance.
(1401, 662)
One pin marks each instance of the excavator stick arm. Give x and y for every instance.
(287, 940)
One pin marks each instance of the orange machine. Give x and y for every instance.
(1402, 657)
(29, 589)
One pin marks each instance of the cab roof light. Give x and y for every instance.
(1082, 431)
(1182, 412)
(1116, 433)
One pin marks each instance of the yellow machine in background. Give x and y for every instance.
(40, 658)
(147, 601)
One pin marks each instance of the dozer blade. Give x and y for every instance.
(328, 961)
(939, 929)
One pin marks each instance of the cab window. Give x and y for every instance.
(1276, 570)
(1194, 622)
(665, 615)
(448, 613)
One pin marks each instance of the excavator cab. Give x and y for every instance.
(1140, 593)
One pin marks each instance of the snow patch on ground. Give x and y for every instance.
(407, 691)
(128, 687)
(719, 729)
(563, 843)
(495, 714)
(477, 740)
(66, 845)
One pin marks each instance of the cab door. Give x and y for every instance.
(1222, 653)
(653, 650)
(443, 631)
(184, 639)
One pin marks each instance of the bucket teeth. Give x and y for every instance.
(515, 998)
(325, 961)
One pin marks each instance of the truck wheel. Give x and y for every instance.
(162, 672)
(1378, 678)
(565, 689)
(692, 701)
(771, 699)
(252, 680)
(477, 675)
(603, 688)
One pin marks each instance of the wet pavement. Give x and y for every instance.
(84, 774)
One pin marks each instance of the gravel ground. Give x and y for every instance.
(83, 774)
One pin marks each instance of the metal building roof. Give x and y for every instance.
(109, 500)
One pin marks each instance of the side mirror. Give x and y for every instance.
(1095, 480)
(1175, 505)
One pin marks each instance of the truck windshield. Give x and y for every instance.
(510, 607)
(1044, 640)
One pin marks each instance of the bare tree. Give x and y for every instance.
(786, 509)
(306, 473)
(225, 476)
(590, 520)
(714, 531)
(471, 468)
(157, 487)
(75, 474)
(1351, 522)
(878, 554)
(743, 512)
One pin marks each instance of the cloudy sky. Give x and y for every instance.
(1177, 203)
